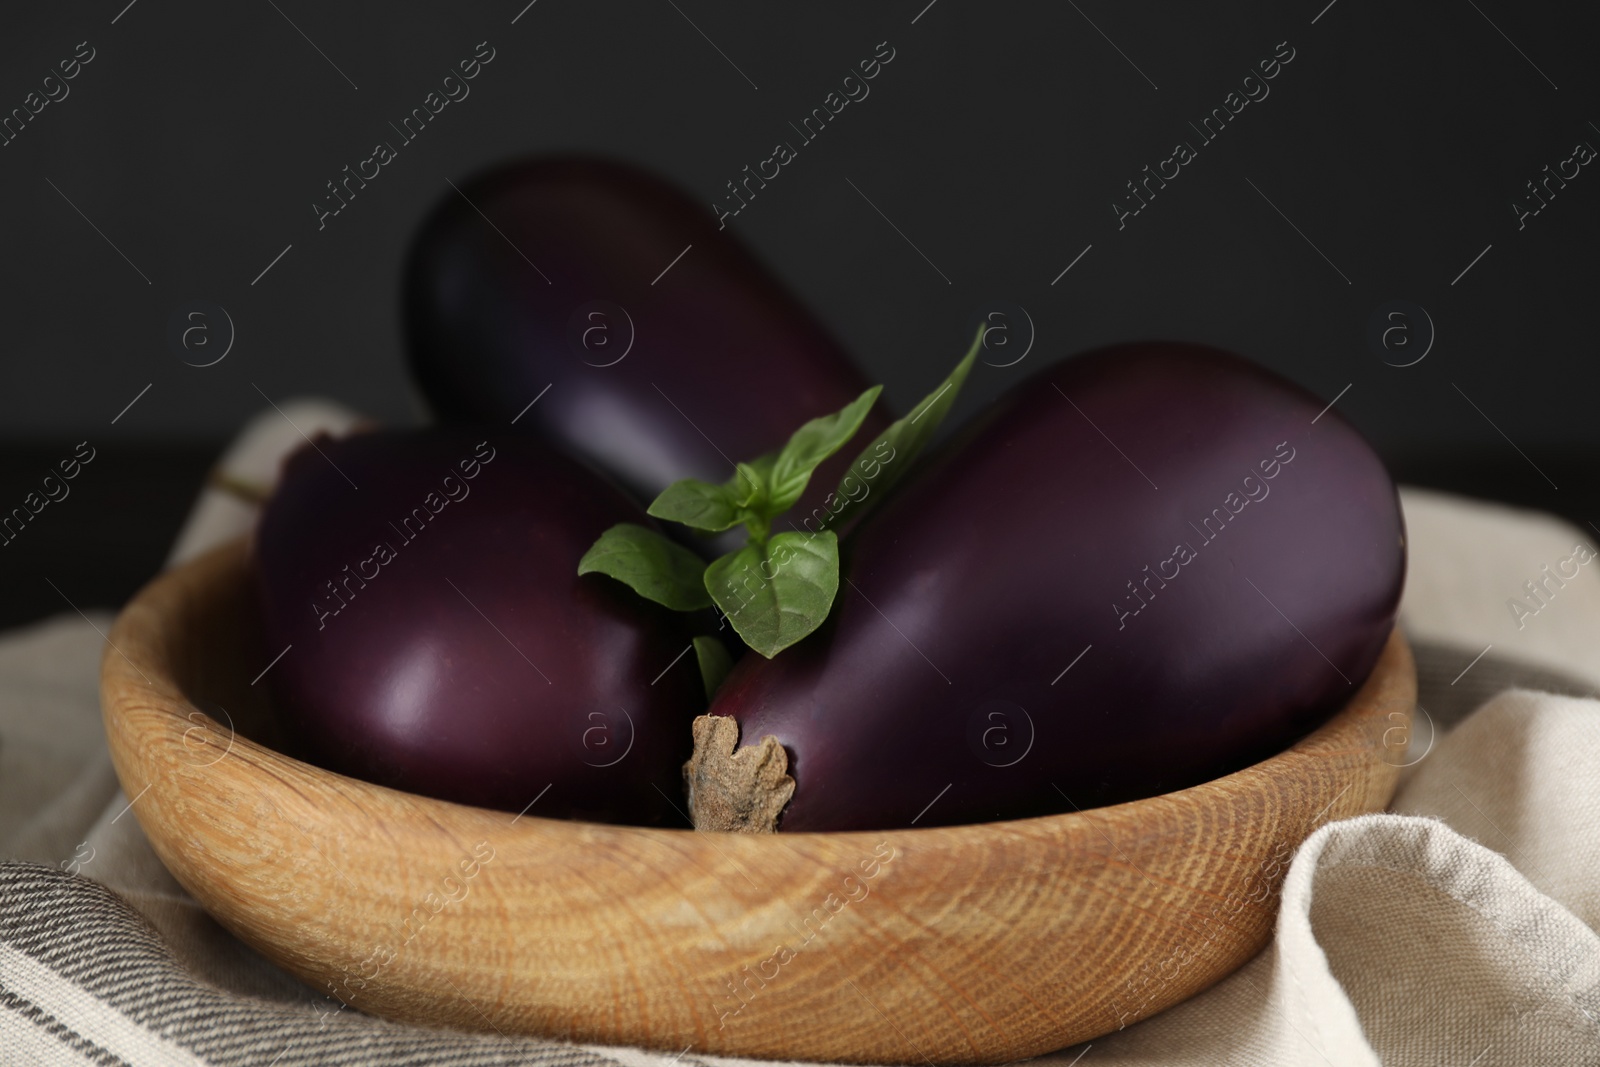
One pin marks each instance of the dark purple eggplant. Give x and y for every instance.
(439, 640)
(1141, 569)
(665, 346)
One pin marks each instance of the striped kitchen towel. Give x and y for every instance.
(84, 980)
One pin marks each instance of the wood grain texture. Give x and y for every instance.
(947, 945)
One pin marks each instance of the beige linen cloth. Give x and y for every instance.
(1458, 929)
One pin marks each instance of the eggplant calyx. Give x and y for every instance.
(731, 791)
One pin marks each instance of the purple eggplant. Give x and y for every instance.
(1141, 569)
(439, 640)
(664, 345)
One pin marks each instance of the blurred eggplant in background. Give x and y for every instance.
(656, 345)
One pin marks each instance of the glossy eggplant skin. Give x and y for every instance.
(503, 286)
(441, 642)
(1001, 636)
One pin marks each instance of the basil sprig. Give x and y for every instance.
(778, 588)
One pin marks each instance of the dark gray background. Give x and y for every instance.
(200, 135)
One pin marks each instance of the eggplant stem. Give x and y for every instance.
(735, 790)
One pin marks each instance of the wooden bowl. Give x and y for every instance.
(951, 944)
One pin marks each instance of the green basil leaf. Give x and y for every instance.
(777, 592)
(715, 663)
(810, 445)
(652, 566)
(886, 459)
(704, 506)
(750, 484)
